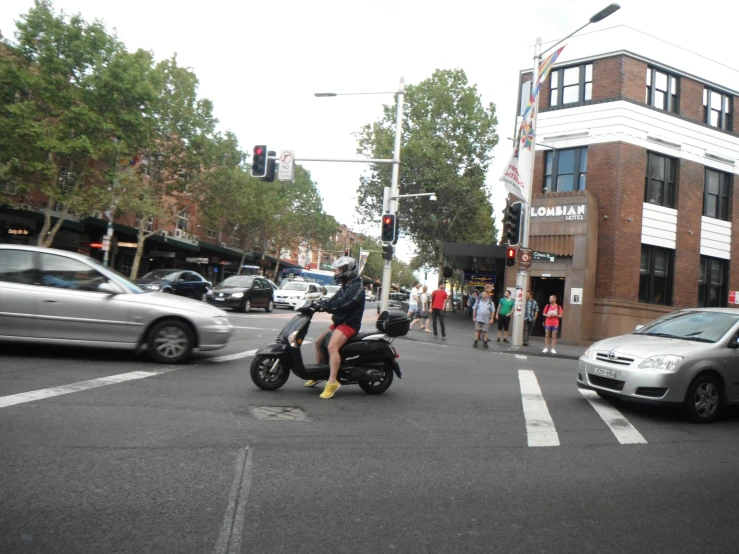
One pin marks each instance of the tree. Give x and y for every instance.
(53, 133)
(375, 263)
(446, 141)
(403, 274)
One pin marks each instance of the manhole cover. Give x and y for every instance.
(278, 413)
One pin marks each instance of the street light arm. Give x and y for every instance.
(600, 16)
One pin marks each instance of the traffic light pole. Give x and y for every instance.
(390, 204)
(522, 278)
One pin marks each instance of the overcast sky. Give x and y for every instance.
(261, 69)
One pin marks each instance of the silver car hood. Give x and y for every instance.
(173, 302)
(644, 346)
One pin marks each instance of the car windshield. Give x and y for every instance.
(238, 281)
(162, 274)
(294, 286)
(692, 325)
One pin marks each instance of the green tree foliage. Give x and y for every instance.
(53, 132)
(448, 135)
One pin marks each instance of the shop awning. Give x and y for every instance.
(475, 258)
(561, 245)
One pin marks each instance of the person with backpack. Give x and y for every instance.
(553, 314)
(484, 313)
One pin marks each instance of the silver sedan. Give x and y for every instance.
(56, 297)
(689, 358)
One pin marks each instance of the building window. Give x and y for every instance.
(571, 85)
(210, 233)
(235, 240)
(655, 280)
(148, 224)
(716, 195)
(717, 109)
(712, 283)
(662, 90)
(566, 170)
(183, 220)
(6, 187)
(660, 187)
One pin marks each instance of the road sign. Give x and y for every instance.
(286, 169)
(734, 297)
(106, 244)
(524, 258)
(543, 256)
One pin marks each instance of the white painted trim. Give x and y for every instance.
(715, 222)
(648, 207)
(713, 253)
(654, 241)
(657, 233)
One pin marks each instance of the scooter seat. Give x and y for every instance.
(360, 336)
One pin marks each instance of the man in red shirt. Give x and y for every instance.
(438, 301)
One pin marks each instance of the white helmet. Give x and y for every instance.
(345, 269)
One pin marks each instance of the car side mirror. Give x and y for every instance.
(734, 343)
(638, 327)
(107, 287)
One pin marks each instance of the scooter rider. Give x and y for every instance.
(347, 307)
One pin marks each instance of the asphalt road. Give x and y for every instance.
(450, 459)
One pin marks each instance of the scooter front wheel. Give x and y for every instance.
(268, 372)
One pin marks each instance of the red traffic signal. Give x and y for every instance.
(510, 257)
(346, 251)
(259, 161)
(387, 229)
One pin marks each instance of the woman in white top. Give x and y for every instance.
(422, 314)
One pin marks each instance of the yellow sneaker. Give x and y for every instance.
(311, 382)
(330, 390)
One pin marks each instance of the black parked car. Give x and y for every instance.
(242, 293)
(175, 281)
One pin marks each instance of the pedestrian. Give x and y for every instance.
(422, 313)
(471, 301)
(413, 301)
(483, 316)
(503, 315)
(531, 314)
(553, 313)
(438, 301)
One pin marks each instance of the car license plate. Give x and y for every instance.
(604, 372)
(220, 299)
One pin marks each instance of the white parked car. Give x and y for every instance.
(292, 294)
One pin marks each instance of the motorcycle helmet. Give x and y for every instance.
(345, 269)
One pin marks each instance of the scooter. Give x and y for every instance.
(367, 359)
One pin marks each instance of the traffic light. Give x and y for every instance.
(510, 256)
(259, 161)
(512, 224)
(269, 177)
(346, 251)
(387, 232)
(387, 252)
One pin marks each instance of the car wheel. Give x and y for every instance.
(704, 399)
(268, 372)
(381, 383)
(247, 305)
(167, 291)
(170, 341)
(204, 296)
(270, 307)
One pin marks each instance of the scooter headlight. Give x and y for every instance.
(294, 340)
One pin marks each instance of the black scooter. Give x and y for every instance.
(367, 359)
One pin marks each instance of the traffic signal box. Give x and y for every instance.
(510, 256)
(388, 229)
(387, 252)
(512, 222)
(259, 161)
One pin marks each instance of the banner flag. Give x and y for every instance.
(362, 260)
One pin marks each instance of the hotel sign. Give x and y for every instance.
(570, 213)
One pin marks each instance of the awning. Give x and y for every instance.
(561, 245)
(475, 258)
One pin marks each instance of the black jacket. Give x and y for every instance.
(347, 305)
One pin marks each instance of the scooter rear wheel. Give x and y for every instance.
(266, 375)
(382, 383)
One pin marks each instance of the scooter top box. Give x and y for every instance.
(394, 323)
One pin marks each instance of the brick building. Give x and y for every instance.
(634, 187)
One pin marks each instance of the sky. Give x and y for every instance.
(261, 62)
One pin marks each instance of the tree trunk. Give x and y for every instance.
(241, 265)
(47, 236)
(440, 260)
(141, 237)
(277, 269)
(47, 223)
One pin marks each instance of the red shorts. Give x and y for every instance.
(345, 330)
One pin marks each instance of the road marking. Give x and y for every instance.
(255, 328)
(40, 394)
(232, 529)
(520, 357)
(539, 425)
(625, 432)
(229, 357)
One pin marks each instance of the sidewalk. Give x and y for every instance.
(460, 332)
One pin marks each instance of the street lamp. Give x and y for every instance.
(391, 206)
(522, 277)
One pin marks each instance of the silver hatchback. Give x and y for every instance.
(689, 358)
(56, 297)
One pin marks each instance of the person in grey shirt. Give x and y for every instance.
(483, 315)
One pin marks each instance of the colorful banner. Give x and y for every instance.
(512, 179)
(362, 260)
